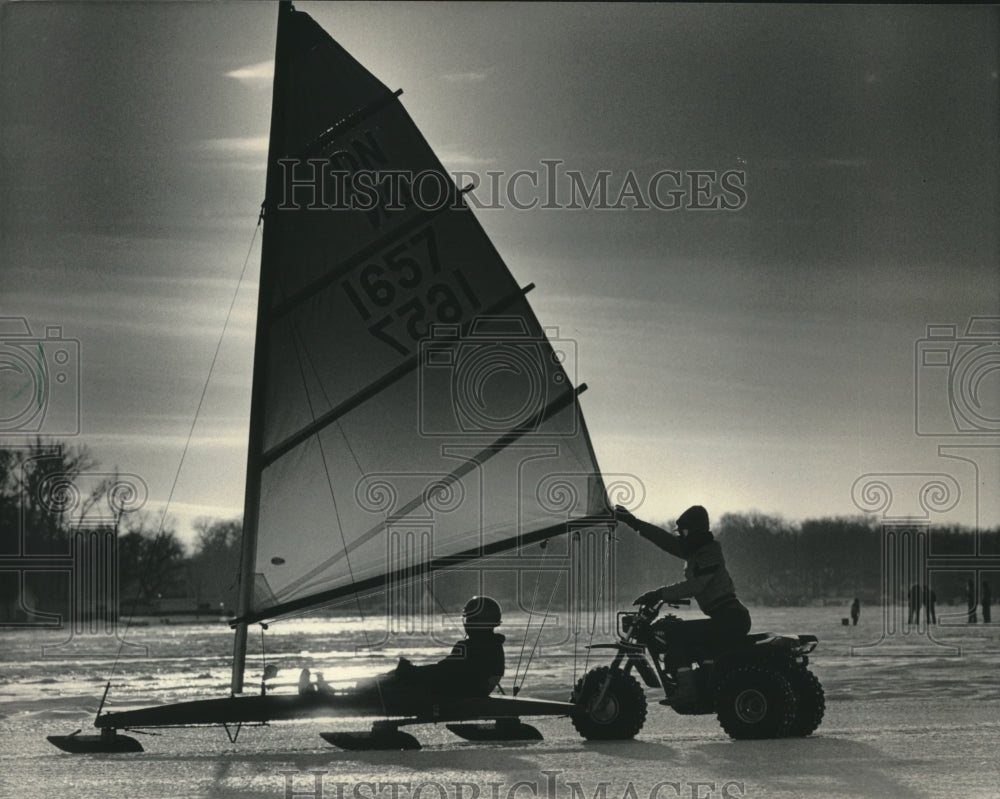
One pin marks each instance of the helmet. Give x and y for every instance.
(481, 612)
(694, 520)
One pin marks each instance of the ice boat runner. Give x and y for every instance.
(399, 375)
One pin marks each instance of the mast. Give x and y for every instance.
(268, 265)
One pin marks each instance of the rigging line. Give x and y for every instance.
(187, 444)
(263, 651)
(300, 350)
(531, 610)
(576, 642)
(600, 598)
(344, 438)
(574, 597)
(354, 457)
(305, 351)
(545, 617)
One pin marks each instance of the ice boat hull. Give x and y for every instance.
(283, 707)
(107, 741)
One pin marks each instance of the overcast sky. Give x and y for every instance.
(758, 358)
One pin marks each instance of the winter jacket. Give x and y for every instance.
(705, 575)
(473, 668)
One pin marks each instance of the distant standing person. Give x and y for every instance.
(855, 611)
(970, 589)
(914, 617)
(986, 600)
(930, 602)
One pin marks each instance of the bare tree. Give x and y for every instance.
(213, 568)
(150, 556)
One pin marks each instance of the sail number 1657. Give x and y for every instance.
(405, 291)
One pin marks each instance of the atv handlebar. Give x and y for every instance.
(649, 612)
(631, 624)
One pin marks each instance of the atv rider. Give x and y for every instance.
(707, 580)
(473, 668)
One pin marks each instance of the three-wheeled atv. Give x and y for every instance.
(760, 688)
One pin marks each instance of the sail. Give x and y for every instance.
(401, 379)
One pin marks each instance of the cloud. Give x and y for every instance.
(456, 159)
(465, 77)
(244, 153)
(240, 145)
(254, 74)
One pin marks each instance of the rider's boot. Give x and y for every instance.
(686, 692)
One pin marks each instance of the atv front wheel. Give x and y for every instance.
(809, 701)
(754, 702)
(615, 715)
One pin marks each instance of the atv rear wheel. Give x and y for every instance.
(616, 715)
(754, 702)
(809, 700)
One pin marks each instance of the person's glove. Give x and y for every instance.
(649, 598)
(625, 515)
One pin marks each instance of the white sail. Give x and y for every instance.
(400, 374)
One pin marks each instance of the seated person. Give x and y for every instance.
(476, 663)
(473, 668)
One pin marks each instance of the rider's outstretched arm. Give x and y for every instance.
(657, 535)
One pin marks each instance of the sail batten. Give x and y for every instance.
(354, 119)
(403, 385)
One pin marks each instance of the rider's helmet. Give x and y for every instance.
(693, 520)
(481, 613)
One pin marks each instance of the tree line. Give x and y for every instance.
(59, 515)
(52, 509)
(777, 562)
